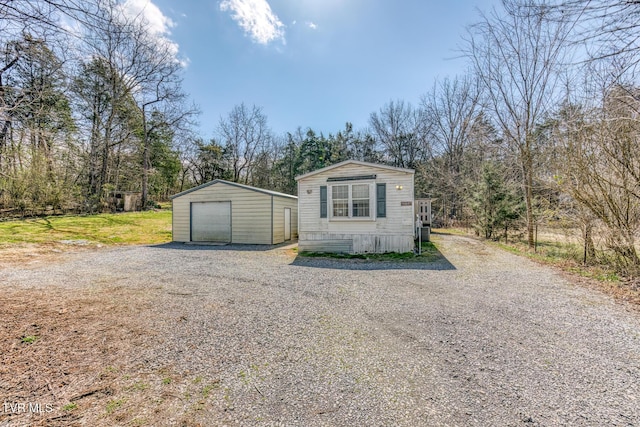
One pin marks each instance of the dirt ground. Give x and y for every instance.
(100, 336)
(63, 353)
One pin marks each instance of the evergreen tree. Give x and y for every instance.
(494, 203)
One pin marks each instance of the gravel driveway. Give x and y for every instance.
(243, 335)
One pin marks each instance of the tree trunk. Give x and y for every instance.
(145, 161)
(589, 247)
(527, 175)
(93, 165)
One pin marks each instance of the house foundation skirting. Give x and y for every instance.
(354, 243)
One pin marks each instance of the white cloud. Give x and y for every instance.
(256, 19)
(158, 24)
(311, 25)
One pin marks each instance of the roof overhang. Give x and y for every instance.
(355, 162)
(233, 184)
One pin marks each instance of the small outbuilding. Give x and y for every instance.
(227, 212)
(125, 201)
(356, 207)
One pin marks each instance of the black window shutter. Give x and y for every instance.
(323, 201)
(381, 200)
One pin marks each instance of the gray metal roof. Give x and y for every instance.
(234, 184)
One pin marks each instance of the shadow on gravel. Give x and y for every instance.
(220, 246)
(439, 263)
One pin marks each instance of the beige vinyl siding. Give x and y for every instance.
(279, 204)
(250, 213)
(392, 233)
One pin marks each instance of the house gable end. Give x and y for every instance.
(348, 164)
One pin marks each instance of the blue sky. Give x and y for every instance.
(313, 63)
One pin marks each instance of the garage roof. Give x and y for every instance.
(234, 184)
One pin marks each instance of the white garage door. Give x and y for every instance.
(211, 222)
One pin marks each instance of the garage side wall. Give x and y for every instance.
(279, 203)
(250, 213)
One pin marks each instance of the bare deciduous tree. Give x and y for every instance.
(516, 55)
(144, 75)
(400, 131)
(601, 167)
(452, 108)
(606, 28)
(243, 134)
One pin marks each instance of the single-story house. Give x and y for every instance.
(356, 207)
(228, 212)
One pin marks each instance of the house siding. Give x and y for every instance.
(251, 220)
(394, 233)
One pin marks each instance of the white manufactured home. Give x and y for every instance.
(228, 212)
(356, 207)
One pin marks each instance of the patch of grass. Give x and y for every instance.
(29, 339)
(114, 404)
(140, 386)
(455, 231)
(70, 406)
(568, 257)
(206, 391)
(429, 253)
(130, 228)
(166, 381)
(390, 256)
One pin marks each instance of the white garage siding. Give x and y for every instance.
(257, 215)
(279, 204)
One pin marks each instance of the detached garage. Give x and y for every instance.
(227, 212)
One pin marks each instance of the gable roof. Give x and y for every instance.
(354, 162)
(234, 184)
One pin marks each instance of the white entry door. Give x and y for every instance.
(211, 222)
(287, 224)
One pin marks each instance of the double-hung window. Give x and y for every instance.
(351, 201)
(360, 202)
(340, 201)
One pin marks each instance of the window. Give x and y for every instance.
(360, 200)
(340, 199)
(351, 201)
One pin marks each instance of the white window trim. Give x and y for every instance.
(350, 218)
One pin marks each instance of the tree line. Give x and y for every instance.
(542, 128)
(90, 102)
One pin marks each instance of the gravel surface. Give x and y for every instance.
(255, 336)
